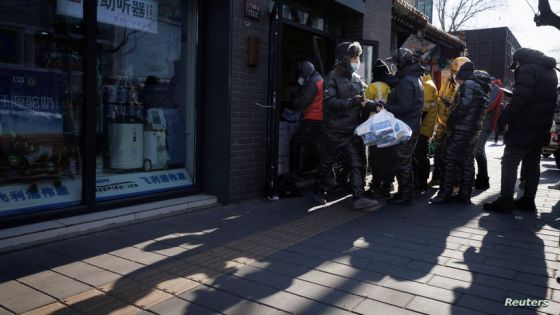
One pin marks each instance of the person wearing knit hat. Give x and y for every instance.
(344, 108)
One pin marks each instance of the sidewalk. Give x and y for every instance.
(289, 256)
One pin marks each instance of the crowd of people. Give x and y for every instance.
(453, 124)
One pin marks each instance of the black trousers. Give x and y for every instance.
(439, 141)
(382, 168)
(421, 162)
(480, 156)
(402, 157)
(458, 162)
(531, 157)
(308, 133)
(354, 152)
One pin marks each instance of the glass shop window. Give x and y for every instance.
(145, 113)
(41, 78)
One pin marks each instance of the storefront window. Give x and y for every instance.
(145, 132)
(41, 78)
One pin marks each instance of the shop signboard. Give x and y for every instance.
(17, 198)
(141, 15)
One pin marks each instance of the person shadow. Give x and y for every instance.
(514, 267)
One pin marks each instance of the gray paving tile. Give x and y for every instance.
(177, 306)
(224, 302)
(494, 294)
(54, 284)
(20, 298)
(374, 307)
(4, 311)
(428, 306)
(114, 264)
(491, 307)
(86, 273)
(421, 289)
(263, 294)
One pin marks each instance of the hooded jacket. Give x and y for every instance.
(471, 104)
(529, 113)
(407, 99)
(431, 106)
(309, 98)
(341, 116)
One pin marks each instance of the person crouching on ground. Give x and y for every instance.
(463, 125)
(344, 108)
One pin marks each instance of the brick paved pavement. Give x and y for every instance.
(289, 257)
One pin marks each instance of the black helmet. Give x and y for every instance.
(346, 51)
(380, 70)
(402, 57)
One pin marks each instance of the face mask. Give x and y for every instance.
(355, 66)
(300, 80)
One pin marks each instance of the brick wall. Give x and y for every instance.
(377, 24)
(249, 85)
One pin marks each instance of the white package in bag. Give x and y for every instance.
(383, 130)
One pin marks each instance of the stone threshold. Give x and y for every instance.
(39, 233)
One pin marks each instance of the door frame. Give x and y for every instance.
(275, 78)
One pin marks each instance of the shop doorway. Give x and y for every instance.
(297, 37)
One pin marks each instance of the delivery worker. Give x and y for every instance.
(445, 96)
(421, 161)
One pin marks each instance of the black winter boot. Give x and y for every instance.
(501, 204)
(482, 183)
(525, 204)
(440, 199)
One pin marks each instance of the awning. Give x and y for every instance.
(417, 23)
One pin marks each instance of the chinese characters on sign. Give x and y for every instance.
(134, 14)
(252, 10)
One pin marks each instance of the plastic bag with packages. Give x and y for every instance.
(383, 130)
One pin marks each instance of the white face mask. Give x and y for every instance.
(300, 81)
(355, 66)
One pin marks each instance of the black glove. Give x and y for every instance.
(357, 100)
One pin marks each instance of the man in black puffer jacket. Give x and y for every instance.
(406, 102)
(464, 126)
(344, 108)
(528, 118)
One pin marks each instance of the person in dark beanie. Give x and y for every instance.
(309, 101)
(463, 125)
(406, 102)
(379, 158)
(528, 118)
(344, 108)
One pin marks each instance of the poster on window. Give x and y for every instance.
(30, 103)
(141, 15)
